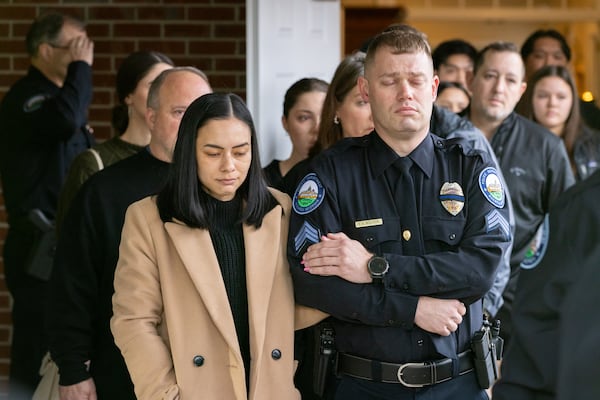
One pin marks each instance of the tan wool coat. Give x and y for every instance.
(172, 319)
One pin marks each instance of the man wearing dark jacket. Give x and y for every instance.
(554, 352)
(81, 286)
(533, 160)
(43, 126)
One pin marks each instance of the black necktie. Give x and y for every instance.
(407, 209)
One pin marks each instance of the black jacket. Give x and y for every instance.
(81, 286)
(42, 129)
(586, 153)
(554, 348)
(537, 170)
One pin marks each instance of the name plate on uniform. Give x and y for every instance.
(368, 222)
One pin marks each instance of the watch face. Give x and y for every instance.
(378, 265)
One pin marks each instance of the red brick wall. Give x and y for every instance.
(208, 34)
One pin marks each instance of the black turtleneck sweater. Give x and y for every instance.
(228, 241)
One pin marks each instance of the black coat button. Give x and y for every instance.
(198, 361)
(276, 354)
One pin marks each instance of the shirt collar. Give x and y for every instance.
(382, 156)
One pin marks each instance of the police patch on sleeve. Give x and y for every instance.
(34, 103)
(495, 221)
(306, 236)
(491, 187)
(538, 246)
(309, 195)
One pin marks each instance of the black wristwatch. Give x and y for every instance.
(378, 267)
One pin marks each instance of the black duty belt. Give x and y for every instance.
(409, 374)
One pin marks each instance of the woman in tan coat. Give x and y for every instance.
(203, 303)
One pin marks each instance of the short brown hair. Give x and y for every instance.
(402, 39)
(495, 47)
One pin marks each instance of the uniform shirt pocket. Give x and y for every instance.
(372, 237)
(441, 234)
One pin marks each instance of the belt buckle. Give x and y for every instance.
(400, 372)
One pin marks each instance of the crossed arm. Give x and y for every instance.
(338, 255)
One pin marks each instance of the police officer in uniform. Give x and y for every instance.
(398, 235)
(554, 352)
(43, 126)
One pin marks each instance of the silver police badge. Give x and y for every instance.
(452, 197)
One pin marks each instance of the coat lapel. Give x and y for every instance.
(262, 252)
(195, 249)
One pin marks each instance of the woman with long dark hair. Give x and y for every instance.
(301, 118)
(203, 304)
(551, 101)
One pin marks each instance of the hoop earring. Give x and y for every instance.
(336, 120)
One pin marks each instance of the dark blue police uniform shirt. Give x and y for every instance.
(349, 190)
(43, 127)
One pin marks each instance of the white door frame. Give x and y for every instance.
(286, 40)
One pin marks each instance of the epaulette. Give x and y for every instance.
(464, 144)
(344, 144)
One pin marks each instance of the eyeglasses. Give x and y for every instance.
(55, 46)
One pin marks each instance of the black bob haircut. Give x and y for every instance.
(183, 197)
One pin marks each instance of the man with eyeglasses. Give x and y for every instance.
(43, 126)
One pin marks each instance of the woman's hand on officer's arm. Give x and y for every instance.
(338, 255)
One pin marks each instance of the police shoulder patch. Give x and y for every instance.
(309, 194)
(34, 103)
(491, 187)
(538, 246)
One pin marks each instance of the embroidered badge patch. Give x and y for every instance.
(491, 187)
(538, 246)
(309, 195)
(494, 220)
(452, 197)
(306, 236)
(34, 103)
